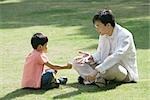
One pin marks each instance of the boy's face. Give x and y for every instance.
(101, 28)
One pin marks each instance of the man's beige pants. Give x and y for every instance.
(116, 72)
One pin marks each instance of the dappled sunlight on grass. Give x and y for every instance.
(10, 1)
(147, 18)
(28, 13)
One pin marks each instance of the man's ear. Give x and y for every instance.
(108, 25)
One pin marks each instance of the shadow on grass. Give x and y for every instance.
(27, 13)
(85, 88)
(20, 93)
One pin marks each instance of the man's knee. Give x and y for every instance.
(117, 73)
(121, 73)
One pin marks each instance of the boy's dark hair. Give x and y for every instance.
(38, 39)
(105, 16)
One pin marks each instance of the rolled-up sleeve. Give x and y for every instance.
(43, 58)
(114, 58)
(96, 56)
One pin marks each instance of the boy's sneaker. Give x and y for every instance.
(63, 80)
(54, 85)
(51, 86)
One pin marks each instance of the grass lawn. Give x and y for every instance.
(68, 25)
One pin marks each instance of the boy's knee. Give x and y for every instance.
(48, 81)
(47, 77)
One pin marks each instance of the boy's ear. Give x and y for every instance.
(39, 47)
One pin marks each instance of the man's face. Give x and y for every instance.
(101, 28)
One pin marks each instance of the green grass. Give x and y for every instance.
(68, 24)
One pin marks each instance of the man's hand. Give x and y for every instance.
(84, 58)
(91, 76)
(83, 54)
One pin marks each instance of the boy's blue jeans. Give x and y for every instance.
(48, 81)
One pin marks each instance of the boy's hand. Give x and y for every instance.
(69, 66)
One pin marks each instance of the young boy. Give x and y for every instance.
(36, 75)
(115, 58)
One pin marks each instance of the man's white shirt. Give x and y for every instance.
(119, 48)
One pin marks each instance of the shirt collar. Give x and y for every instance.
(114, 32)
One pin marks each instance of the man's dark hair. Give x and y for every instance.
(38, 39)
(105, 16)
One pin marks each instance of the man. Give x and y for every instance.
(115, 58)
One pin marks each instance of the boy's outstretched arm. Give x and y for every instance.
(57, 67)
